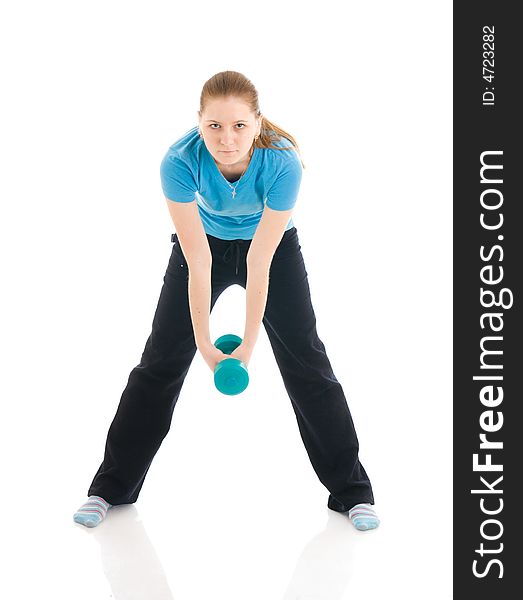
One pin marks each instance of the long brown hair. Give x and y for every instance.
(232, 83)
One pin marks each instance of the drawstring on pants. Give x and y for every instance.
(234, 245)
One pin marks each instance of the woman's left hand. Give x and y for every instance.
(243, 353)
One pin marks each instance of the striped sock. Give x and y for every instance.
(93, 512)
(363, 517)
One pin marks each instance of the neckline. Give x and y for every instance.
(221, 177)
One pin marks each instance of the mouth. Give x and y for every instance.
(227, 151)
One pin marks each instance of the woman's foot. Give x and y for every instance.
(363, 517)
(93, 512)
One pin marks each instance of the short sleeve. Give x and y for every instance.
(177, 179)
(284, 191)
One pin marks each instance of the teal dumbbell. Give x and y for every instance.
(230, 375)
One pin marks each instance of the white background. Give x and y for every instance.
(93, 95)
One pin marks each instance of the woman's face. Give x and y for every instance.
(228, 128)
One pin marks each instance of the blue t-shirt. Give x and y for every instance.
(188, 172)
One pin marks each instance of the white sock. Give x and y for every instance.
(93, 512)
(363, 517)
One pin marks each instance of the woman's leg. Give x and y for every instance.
(144, 415)
(324, 419)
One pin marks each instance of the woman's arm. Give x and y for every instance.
(268, 235)
(195, 248)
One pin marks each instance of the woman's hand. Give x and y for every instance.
(243, 352)
(212, 355)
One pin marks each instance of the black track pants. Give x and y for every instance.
(144, 414)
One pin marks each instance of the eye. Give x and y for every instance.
(218, 125)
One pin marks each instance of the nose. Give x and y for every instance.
(227, 139)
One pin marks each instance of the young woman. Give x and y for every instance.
(230, 186)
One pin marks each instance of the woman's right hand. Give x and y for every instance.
(212, 355)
